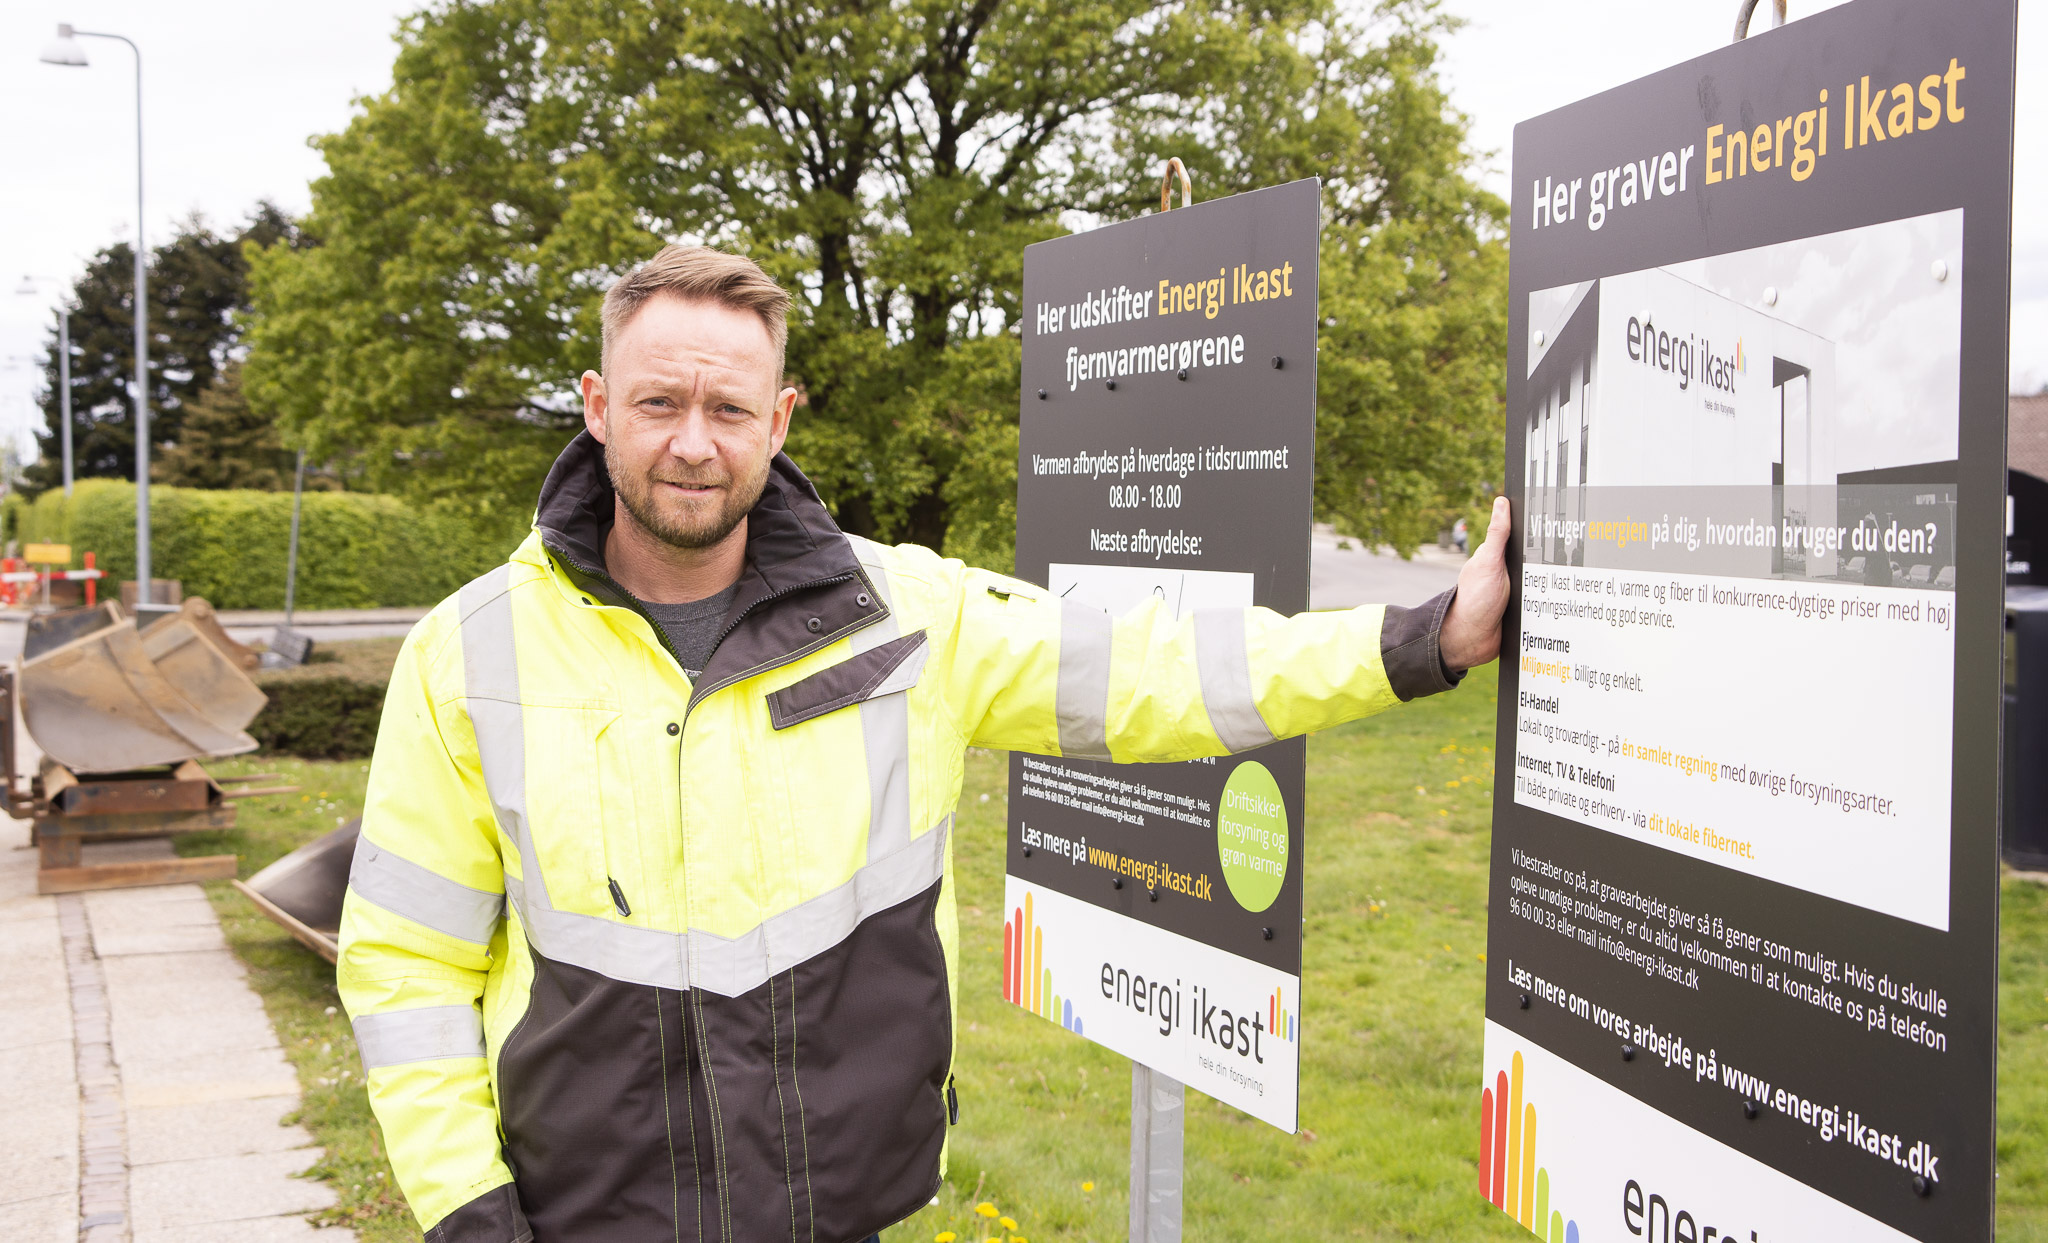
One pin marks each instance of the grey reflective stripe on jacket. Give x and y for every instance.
(395, 1037)
(1081, 699)
(899, 866)
(885, 728)
(423, 896)
(1223, 666)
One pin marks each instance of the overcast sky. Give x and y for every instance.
(233, 88)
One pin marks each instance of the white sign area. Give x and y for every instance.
(1632, 718)
(1221, 1024)
(1117, 589)
(1573, 1163)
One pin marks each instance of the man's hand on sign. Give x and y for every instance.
(1471, 634)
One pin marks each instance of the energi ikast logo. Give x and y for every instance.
(1688, 358)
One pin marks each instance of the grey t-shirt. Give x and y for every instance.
(693, 628)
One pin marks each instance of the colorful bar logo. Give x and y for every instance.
(1279, 1019)
(1027, 981)
(1508, 1174)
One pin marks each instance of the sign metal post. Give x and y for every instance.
(1156, 1133)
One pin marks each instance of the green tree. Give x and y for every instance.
(197, 284)
(890, 161)
(224, 443)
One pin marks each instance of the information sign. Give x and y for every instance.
(1743, 935)
(1165, 465)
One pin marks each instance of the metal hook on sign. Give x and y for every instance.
(1748, 7)
(1187, 188)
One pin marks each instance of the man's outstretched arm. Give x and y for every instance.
(1031, 672)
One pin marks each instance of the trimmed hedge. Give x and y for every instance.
(328, 708)
(356, 550)
(320, 718)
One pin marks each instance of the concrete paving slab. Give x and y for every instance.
(30, 1018)
(224, 1189)
(239, 1075)
(162, 919)
(36, 1068)
(37, 1164)
(255, 1230)
(149, 1051)
(35, 950)
(33, 991)
(220, 1128)
(194, 982)
(42, 1219)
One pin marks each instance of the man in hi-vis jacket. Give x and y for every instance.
(650, 932)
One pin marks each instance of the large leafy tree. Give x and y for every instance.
(197, 284)
(890, 161)
(224, 443)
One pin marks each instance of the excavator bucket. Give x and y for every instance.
(95, 701)
(303, 890)
(203, 664)
(196, 611)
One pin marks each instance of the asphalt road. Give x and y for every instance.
(1345, 577)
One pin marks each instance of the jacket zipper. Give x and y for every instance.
(699, 692)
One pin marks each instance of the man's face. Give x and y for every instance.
(690, 412)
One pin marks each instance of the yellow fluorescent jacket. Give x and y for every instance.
(631, 957)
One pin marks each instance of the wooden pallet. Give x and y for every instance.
(70, 814)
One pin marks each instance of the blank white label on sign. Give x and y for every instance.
(1117, 589)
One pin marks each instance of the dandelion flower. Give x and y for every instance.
(944, 1236)
(1008, 1223)
(985, 1209)
(1090, 1186)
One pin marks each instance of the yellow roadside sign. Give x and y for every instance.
(47, 554)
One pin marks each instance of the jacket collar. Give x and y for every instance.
(799, 568)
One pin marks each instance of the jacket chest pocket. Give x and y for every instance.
(889, 669)
(843, 738)
(572, 812)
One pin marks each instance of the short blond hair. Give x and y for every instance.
(698, 273)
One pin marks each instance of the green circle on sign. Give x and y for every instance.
(1251, 836)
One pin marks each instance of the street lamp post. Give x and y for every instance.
(65, 51)
(28, 286)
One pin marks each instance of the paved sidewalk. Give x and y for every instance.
(141, 1086)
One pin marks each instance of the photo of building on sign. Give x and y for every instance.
(1802, 396)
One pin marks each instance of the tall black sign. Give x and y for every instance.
(1744, 923)
(1165, 467)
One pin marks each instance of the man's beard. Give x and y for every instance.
(638, 492)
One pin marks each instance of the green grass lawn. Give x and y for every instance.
(1396, 875)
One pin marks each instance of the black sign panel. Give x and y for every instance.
(1165, 462)
(1745, 841)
